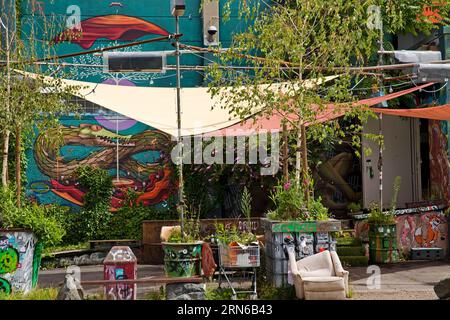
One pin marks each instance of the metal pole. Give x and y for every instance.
(179, 140)
(380, 159)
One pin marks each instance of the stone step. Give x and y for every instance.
(354, 261)
(350, 251)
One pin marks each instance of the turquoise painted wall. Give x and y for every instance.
(91, 139)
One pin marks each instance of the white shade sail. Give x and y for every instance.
(156, 106)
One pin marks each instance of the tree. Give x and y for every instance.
(288, 51)
(298, 44)
(28, 97)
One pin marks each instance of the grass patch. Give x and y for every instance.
(159, 294)
(35, 294)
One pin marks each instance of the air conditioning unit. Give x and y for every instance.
(432, 72)
(134, 62)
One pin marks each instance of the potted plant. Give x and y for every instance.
(182, 251)
(354, 207)
(298, 220)
(383, 231)
(24, 232)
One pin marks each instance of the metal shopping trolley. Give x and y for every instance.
(239, 263)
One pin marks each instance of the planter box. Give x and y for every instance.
(309, 237)
(20, 258)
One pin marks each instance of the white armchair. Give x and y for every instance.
(319, 277)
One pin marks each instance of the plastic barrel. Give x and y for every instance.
(182, 259)
(383, 243)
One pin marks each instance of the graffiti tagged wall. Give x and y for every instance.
(19, 261)
(135, 155)
(421, 230)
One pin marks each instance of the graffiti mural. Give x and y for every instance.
(422, 230)
(138, 155)
(113, 27)
(19, 265)
(120, 264)
(338, 178)
(439, 159)
(182, 260)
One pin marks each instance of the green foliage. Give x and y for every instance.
(191, 229)
(317, 210)
(50, 251)
(378, 217)
(288, 198)
(246, 204)
(226, 235)
(354, 207)
(46, 222)
(126, 222)
(396, 189)
(35, 294)
(159, 294)
(92, 222)
(269, 292)
(98, 185)
(222, 294)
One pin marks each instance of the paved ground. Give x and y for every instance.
(405, 280)
(402, 281)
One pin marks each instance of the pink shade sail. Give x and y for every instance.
(434, 113)
(329, 112)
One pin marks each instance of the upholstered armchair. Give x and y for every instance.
(319, 277)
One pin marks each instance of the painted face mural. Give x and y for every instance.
(112, 27)
(135, 152)
(135, 155)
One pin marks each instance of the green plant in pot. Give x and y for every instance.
(383, 231)
(24, 232)
(290, 203)
(182, 251)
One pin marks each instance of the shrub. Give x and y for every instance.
(46, 222)
(126, 222)
(93, 220)
(378, 217)
(288, 197)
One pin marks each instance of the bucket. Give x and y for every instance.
(182, 259)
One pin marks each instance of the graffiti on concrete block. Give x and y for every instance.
(18, 270)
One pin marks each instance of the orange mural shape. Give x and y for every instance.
(112, 27)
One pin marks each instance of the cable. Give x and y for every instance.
(70, 55)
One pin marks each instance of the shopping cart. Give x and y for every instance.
(239, 263)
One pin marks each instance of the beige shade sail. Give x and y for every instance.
(156, 106)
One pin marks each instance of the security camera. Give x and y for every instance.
(212, 30)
